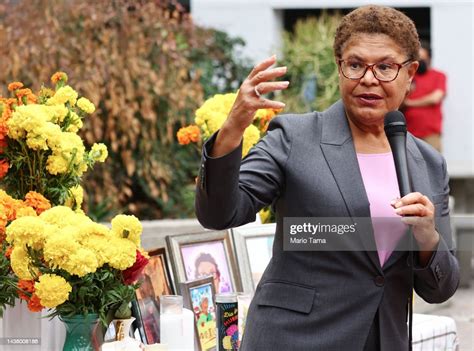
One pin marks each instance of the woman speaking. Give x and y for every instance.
(336, 163)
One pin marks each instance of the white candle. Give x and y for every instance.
(177, 330)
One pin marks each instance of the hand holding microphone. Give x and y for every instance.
(415, 208)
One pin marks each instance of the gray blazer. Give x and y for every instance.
(306, 166)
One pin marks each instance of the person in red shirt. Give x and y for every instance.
(423, 103)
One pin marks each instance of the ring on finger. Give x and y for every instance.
(255, 88)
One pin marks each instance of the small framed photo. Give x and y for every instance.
(200, 255)
(199, 297)
(253, 247)
(155, 282)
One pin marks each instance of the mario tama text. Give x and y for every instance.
(320, 234)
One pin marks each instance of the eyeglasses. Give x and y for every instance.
(384, 72)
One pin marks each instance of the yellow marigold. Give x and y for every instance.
(37, 201)
(57, 164)
(52, 290)
(68, 151)
(57, 113)
(59, 76)
(63, 95)
(14, 86)
(20, 263)
(101, 246)
(121, 253)
(86, 229)
(75, 197)
(75, 124)
(83, 262)
(63, 216)
(85, 105)
(128, 227)
(25, 211)
(31, 231)
(59, 247)
(251, 137)
(46, 92)
(189, 134)
(98, 152)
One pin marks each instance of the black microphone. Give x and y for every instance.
(396, 131)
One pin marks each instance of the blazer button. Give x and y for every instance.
(379, 280)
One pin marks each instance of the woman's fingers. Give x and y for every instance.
(414, 210)
(268, 62)
(269, 74)
(265, 103)
(414, 204)
(267, 87)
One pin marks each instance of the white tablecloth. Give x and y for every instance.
(434, 333)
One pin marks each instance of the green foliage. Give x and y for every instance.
(220, 63)
(8, 289)
(308, 54)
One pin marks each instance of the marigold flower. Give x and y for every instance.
(4, 166)
(98, 152)
(52, 290)
(128, 227)
(14, 86)
(23, 92)
(59, 76)
(20, 263)
(85, 105)
(34, 304)
(189, 134)
(37, 201)
(25, 289)
(8, 252)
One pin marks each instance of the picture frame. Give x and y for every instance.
(155, 281)
(197, 255)
(199, 297)
(253, 247)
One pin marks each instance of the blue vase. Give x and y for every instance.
(79, 329)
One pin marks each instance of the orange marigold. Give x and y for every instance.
(4, 166)
(15, 85)
(25, 289)
(8, 252)
(34, 305)
(37, 201)
(189, 134)
(59, 76)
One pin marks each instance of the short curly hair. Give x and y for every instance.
(374, 19)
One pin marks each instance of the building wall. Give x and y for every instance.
(259, 23)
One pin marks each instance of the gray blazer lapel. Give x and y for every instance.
(340, 155)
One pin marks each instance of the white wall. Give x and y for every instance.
(259, 23)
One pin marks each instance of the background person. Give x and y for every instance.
(423, 104)
(336, 163)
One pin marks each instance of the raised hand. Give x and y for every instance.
(250, 99)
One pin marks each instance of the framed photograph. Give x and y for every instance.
(200, 255)
(199, 297)
(253, 247)
(155, 281)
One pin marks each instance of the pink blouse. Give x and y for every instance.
(380, 181)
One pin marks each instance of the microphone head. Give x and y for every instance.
(395, 123)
